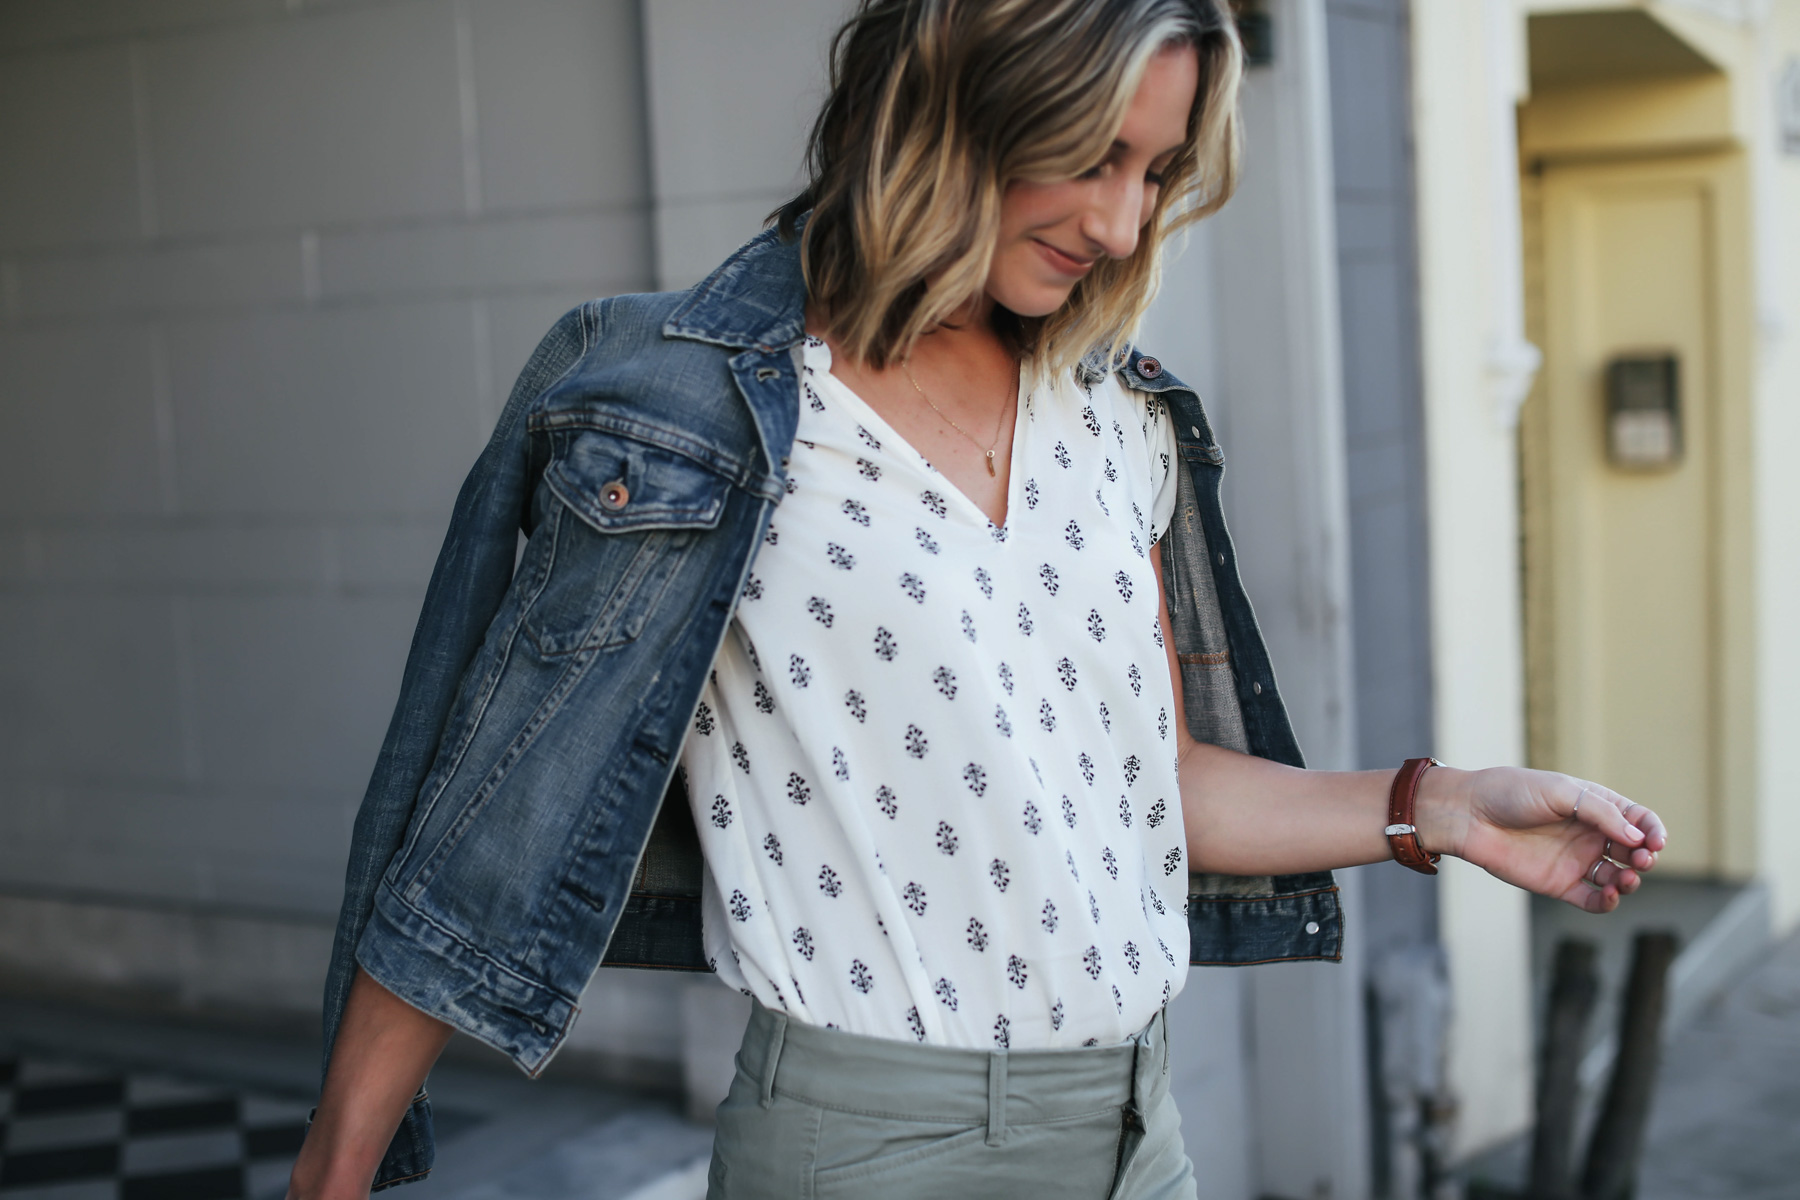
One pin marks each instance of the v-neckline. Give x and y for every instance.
(864, 412)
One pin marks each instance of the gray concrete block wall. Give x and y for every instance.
(267, 269)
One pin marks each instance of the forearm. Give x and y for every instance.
(383, 1051)
(1249, 816)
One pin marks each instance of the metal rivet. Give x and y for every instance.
(1221, 560)
(1194, 429)
(1312, 927)
(614, 495)
(1256, 687)
(1149, 368)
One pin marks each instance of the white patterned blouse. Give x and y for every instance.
(934, 770)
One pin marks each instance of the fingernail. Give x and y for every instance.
(1634, 833)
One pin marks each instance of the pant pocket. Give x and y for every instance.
(857, 1152)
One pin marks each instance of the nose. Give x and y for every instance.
(1115, 216)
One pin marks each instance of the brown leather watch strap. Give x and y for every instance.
(1402, 834)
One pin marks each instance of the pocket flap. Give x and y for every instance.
(619, 484)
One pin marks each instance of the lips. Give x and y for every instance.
(1063, 262)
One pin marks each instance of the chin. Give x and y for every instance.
(1036, 301)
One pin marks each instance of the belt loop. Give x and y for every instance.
(772, 1056)
(996, 1122)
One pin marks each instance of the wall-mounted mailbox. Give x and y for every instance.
(1643, 411)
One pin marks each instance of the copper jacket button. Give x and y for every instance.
(614, 495)
(1149, 368)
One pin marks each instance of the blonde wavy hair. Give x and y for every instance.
(937, 105)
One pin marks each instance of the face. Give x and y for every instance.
(1052, 234)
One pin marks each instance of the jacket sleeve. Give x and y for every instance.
(474, 569)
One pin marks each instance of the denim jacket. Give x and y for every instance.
(510, 840)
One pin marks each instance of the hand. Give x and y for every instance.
(1525, 827)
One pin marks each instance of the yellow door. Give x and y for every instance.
(1622, 570)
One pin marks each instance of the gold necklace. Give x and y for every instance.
(989, 448)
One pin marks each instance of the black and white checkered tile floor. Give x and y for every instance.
(72, 1131)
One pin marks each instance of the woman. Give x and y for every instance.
(959, 720)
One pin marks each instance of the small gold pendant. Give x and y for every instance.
(991, 471)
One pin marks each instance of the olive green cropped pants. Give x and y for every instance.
(816, 1114)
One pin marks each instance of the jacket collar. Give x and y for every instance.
(755, 299)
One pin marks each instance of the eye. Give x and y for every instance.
(1154, 178)
(1092, 172)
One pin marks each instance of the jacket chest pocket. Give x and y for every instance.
(621, 515)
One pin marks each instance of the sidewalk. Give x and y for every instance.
(99, 1106)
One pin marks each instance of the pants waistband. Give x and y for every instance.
(881, 1077)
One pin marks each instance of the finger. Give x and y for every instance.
(1601, 886)
(1608, 817)
(1656, 836)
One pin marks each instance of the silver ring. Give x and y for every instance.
(1592, 872)
(1576, 811)
(1606, 856)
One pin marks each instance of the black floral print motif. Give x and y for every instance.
(854, 702)
(803, 942)
(868, 470)
(946, 994)
(946, 838)
(821, 611)
(884, 800)
(985, 582)
(945, 679)
(1105, 508)
(765, 700)
(1062, 456)
(977, 936)
(1072, 535)
(1110, 860)
(1137, 514)
(770, 536)
(703, 720)
(914, 1023)
(1025, 625)
(721, 812)
(1069, 861)
(1168, 956)
(976, 777)
(840, 558)
(1033, 822)
(812, 398)
(1165, 992)
(968, 625)
(1090, 420)
(1056, 1015)
(1158, 813)
(1002, 1032)
(1105, 717)
(1156, 632)
(1031, 493)
(926, 541)
(860, 978)
(1119, 432)
(1087, 767)
(916, 744)
(1096, 627)
(885, 646)
(1136, 678)
(1050, 921)
(1065, 671)
(829, 883)
(1157, 904)
(1137, 546)
(914, 895)
(1132, 958)
(797, 789)
(1123, 582)
(997, 532)
(1112, 472)
(933, 502)
(857, 511)
(753, 588)
(1118, 1000)
(1093, 908)
(1015, 971)
(1171, 860)
(772, 846)
(740, 906)
(913, 586)
(1162, 724)
(798, 671)
(1125, 812)
(1001, 724)
(1006, 678)
(868, 438)
(1047, 574)
(1001, 875)
(1046, 716)
(840, 763)
(1090, 961)
(741, 757)
(1131, 767)
(1068, 809)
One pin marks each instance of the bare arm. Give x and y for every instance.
(1249, 816)
(383, 1051)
